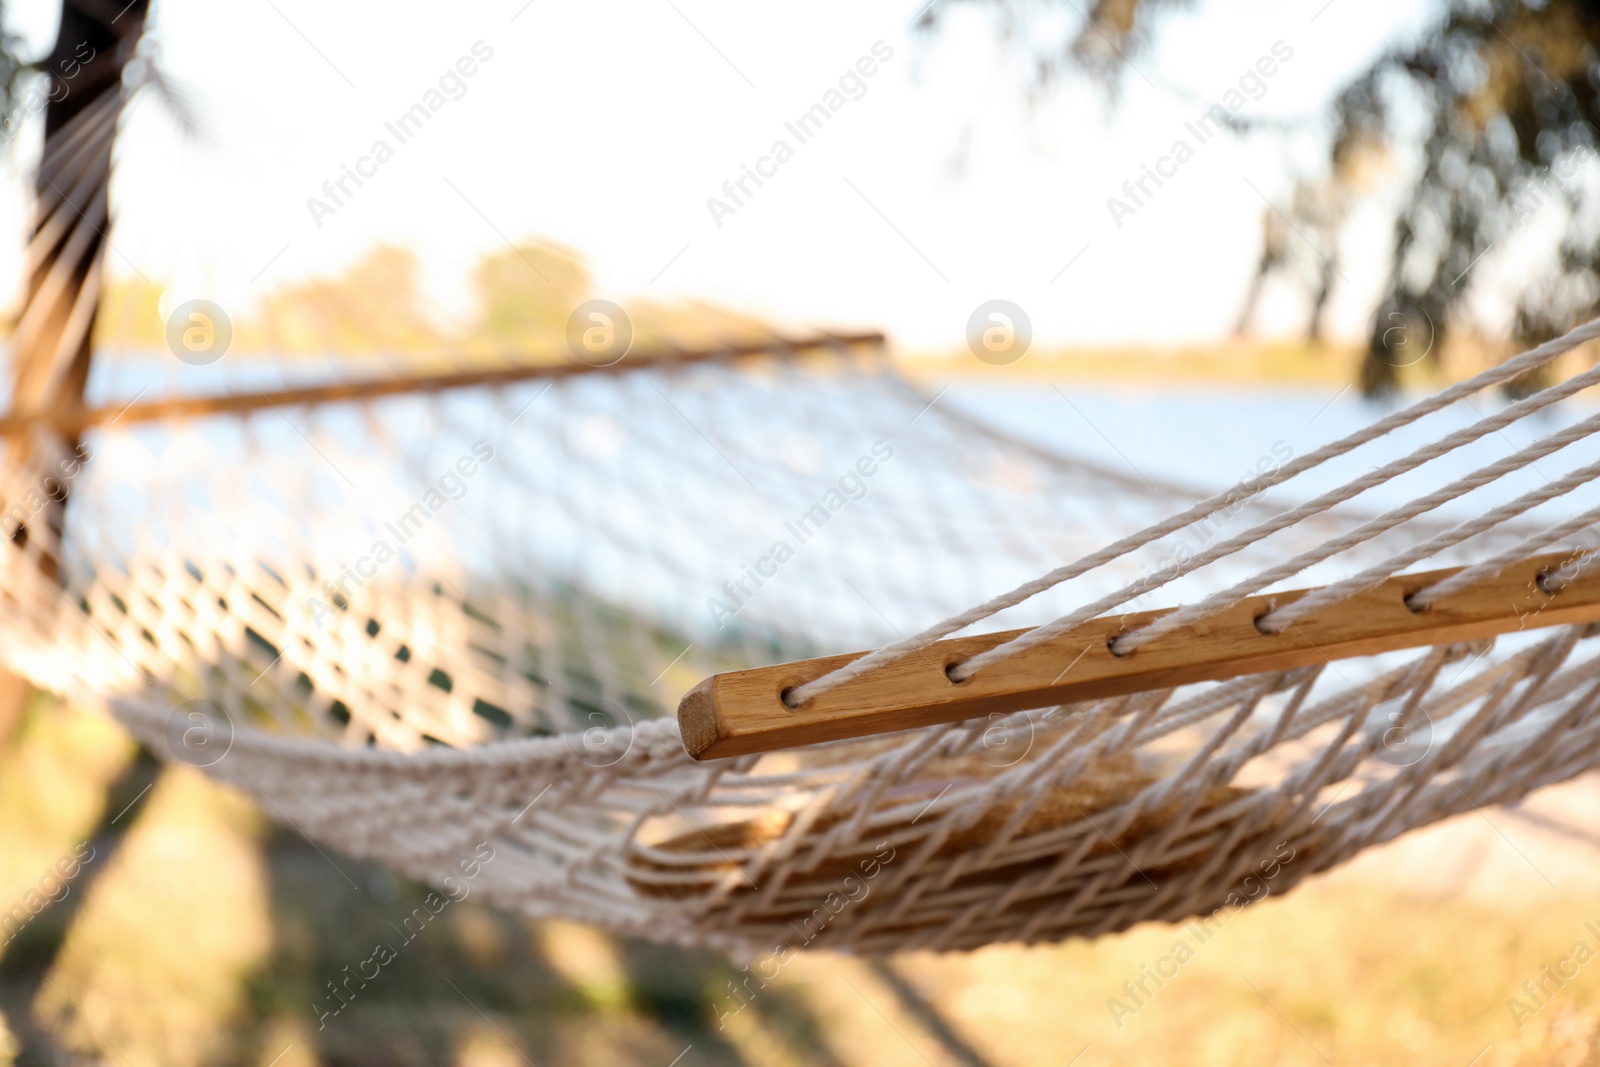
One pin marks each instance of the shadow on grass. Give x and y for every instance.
(459, 983)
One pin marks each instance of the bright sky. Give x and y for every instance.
(608, 126)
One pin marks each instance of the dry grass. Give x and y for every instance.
(202, 934)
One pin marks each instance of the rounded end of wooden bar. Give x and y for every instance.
(697, 719)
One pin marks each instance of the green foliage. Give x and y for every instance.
(1509, 96)
(526, 294)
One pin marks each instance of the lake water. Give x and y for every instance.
(660, 490)
(1211, 437)
(1204, 436)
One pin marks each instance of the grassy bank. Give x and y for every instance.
(1247, 362)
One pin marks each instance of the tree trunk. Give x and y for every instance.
(52, 343)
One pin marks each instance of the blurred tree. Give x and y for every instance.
(1509, 96)
(82, 90)
(82, 94)
(130, 316)
(375, 306)
(525, 295)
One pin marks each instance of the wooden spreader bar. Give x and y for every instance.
(742, 712)
(72, 420)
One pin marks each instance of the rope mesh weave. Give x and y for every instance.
(567, 558)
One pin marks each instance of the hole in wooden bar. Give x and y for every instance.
(737, 718)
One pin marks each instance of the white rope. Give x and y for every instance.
(1281, 619)
(1550, 582)
(1512, 368)
(1285, 520)
(1131, 642)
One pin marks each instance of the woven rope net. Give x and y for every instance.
(408, 624)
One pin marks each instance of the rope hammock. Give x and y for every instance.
(410, 618)
(414, 614)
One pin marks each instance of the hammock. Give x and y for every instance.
(414, 616)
